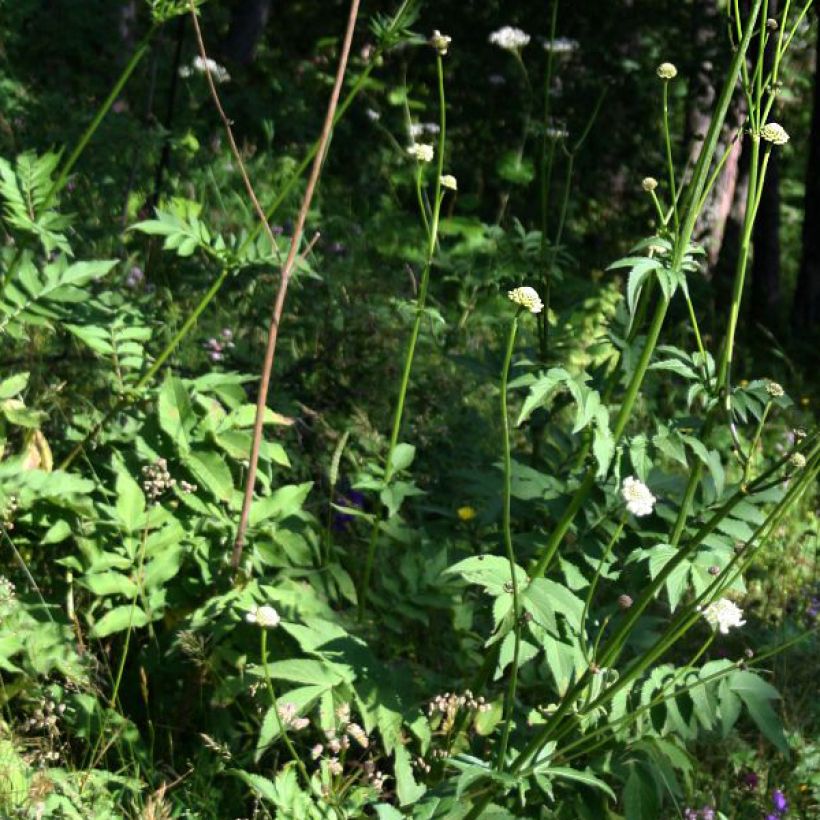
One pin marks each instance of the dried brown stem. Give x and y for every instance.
(260, 212)
(287, 269)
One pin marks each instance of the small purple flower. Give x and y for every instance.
(214, 349)
(781, 805)
(136, 276)
(751, 780)
(353, 499)
(772, 817)
(707, 813)
(813, 609)
(690, 814)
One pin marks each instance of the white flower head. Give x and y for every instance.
(440, 42)
(798, 461)
(449, 181)
(510, 38)
(527, 297)
(667, 71)
(775, 390)
(218, 73)
(774, 133)
(649, 184)
(561, 45)
(723, 614)
(421, 152)
(639, 501)
(265, 616)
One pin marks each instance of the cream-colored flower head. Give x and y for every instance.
(723, 615)
(265, 616)
(449, 181)
(774, 133)
(667, 71)
(440, 42)
(510, 38)
(798, 461)
(639, 501)
(649, 184)
(775, 390)
(526, 297)
(422, 152)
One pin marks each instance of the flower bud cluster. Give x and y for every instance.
(156, 479)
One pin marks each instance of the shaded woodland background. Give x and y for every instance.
(59, 55)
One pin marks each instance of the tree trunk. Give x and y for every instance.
(707, 34)
(248, 22)
(806, 308)
(765, 295)
(765, 290)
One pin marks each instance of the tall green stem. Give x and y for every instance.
(670, 165)
(594, 583)
(421, 300)
(699, 179)
(509, 698)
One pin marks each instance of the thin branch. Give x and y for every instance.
(287, 269)
(260, 212)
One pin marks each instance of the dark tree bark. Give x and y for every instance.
(765, 290)
(708, 35)
(806, 308)
(248, 22)
(765, 295)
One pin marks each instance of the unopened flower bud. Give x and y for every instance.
(649, 184)
(624, 601)
(798, 461)
(667, 71)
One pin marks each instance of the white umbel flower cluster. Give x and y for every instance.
(449, 181)
(265, 616)
(421, 152)
(724, 615)
(218, 73)
(527, 297)
(510, 38)
(639, 501)
(774, 133)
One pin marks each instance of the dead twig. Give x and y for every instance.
(287, 269)
(227, 123)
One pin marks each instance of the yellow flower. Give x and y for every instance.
(466, 513)
(805, 401)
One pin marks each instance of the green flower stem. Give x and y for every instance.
(421, 300)
(509, 698)
(699, 178)
(593, 585)
(670, 165)
(755, 443)
(757, 174)
(263, 652)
